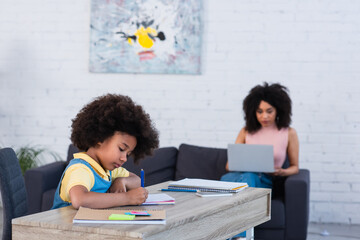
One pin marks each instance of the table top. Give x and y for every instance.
(191, 213)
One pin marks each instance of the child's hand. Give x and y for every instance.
(137, 196)
(118, 186)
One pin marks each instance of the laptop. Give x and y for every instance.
(251, 158)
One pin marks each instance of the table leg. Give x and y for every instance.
(250, 234)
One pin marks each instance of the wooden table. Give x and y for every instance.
(192, 217)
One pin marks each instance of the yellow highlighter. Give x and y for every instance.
(121, 217)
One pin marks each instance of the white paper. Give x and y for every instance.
(159, 198)
(204, 183)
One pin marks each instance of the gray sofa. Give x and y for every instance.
(290, 195)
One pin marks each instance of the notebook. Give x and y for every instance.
(213, 194)
(250, 158)
(159, 199)
(89, 215)
(205, 185)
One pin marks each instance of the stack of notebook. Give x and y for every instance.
(119, 216)
(204, 185)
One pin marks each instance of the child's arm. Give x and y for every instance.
(124, 184)
(80, 196)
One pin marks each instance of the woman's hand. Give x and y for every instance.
(279, 172)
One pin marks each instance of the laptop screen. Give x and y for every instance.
(251, 158)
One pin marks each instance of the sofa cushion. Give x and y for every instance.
(71, 150)
(160, 167)
(278, 187)
(39, 180)
(269, 234)
(200, 162)
(47, 199)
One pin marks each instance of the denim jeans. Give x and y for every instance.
(253, 179)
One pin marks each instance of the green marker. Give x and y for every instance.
(121, 217)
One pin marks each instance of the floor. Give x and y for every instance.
(316, 231)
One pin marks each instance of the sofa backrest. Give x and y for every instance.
(169, 163)
(158, 168)
(200, 162)
(71, 150)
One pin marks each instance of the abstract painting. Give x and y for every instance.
(145, 36)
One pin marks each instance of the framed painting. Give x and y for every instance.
(145, 36)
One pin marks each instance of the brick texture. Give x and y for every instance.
(311, 46)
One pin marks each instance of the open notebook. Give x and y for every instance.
(159, 199)
(208, 185)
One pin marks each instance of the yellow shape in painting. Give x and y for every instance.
(130, 41)
(143, 35)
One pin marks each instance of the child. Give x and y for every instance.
(108, 130)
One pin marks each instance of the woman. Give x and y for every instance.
(267, 117)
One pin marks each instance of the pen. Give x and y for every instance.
(178, 190)
(142, 175)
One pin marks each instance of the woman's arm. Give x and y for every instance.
(293, 154)
(81, 197)
(241, 136)
(240, 139)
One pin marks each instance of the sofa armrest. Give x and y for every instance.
(297, 193)
(38, 180)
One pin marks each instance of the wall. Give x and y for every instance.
(311, 46)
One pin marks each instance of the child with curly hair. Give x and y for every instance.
(108, 130)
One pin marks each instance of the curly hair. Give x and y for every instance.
(107, 114)
(277, 96)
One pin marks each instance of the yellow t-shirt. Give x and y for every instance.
(80, 174)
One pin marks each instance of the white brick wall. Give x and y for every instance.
(311, 46)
